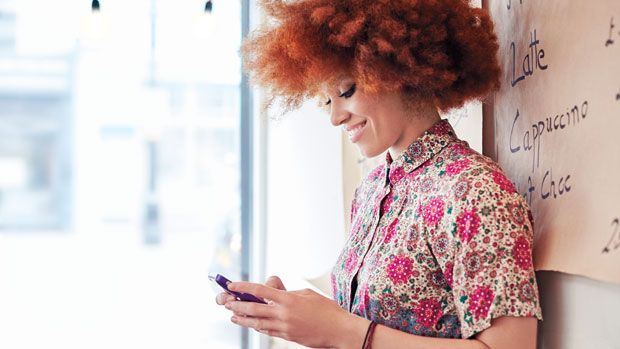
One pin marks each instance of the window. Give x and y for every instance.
(120, 165)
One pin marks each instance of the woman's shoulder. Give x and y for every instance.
(460, 163)
(483, 187)
(467, 179)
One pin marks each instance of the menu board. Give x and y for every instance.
(556, 127)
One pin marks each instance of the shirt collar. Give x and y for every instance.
(424, 148)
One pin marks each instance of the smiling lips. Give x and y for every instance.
(355, 133)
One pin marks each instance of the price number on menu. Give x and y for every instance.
(614, 240)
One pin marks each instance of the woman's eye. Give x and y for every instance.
(348, 93)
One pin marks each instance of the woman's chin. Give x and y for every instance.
(369, 152)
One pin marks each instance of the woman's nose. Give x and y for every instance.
(338, 115)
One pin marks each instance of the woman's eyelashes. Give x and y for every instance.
(346, 94)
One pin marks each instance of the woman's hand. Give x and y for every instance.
(301, 316)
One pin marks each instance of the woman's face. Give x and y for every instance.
(373, 123)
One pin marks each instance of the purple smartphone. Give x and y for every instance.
(223, 283)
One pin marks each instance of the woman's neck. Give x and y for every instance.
(413, 130)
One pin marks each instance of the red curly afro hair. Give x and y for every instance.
(439, 51)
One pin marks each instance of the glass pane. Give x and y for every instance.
(119, 173)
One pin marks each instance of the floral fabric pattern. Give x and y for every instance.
(440, 244)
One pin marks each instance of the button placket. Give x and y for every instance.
(367, 242)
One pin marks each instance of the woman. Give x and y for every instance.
(439, 253)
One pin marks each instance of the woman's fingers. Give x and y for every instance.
(223, 298)
(252, 309)
(259, 324)
(275, 282)
(304, 292)
(258, 290)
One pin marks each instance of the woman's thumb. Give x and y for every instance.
(275, 282)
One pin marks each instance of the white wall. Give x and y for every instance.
(578, 312)
(305, 226)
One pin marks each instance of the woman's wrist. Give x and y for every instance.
(350, 331)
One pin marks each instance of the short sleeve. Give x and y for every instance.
(489, 261)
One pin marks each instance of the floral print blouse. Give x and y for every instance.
(440, 244)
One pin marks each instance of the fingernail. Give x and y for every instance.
(227, 306)
(231, 286)
(233, 319)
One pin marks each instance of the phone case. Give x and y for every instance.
(223, 283)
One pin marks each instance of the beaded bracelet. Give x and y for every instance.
(369, 333)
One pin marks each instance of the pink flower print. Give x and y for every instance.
(441, 245)
(433, 211)
(473, 263)
(374, 174)
(526, 291)
(420, 170)
(461, 188)
(397, 175)
(364, 297)
(441, 128)
(464, 150)
(390, 303)
(351, 262)
(503, 182)
(355, 206)
(521, 253)
(356, 227)
(480, 302)
(516, 213)
(448, 273)
(400, 269)
(416, 149)
(427, 185)
(454, 154)
(467, 224)
(389, 231)
(387, 203)
(428, 312)
(456, 167)
(437, 278)
(334, 286)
